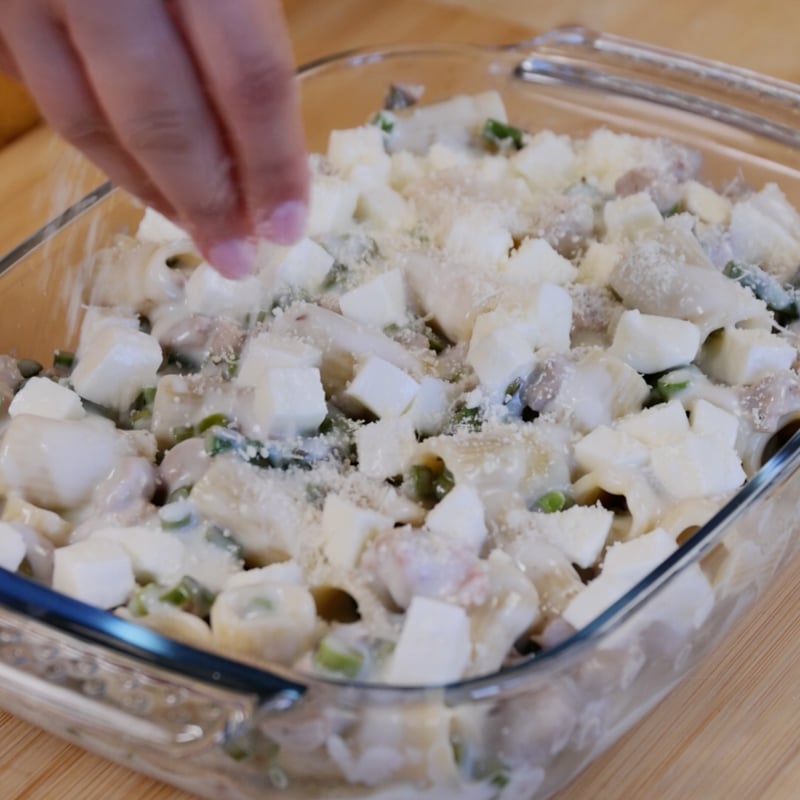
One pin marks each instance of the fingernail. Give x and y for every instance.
(286, 224)
(235, 258)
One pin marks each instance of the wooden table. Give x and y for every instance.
(731, 730)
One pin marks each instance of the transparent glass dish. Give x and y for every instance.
(222, 729)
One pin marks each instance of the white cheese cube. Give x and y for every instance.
(705, 203)
(541, 314)
(658, 425)
(765, 229)
(428, 411)
(346, 529)
(634, 559)
(624, 566)
(478, 238)
(303, 266)
(651, 343)
(379, 302)
(386, 448)
(382, 388)
(116, 366)
(536, 260)
(629, 216)
(603, 446)
(434, 646)
(208, 292)
(714, 421)
(598, 262)
(95, 571)
(289, 401)
(594, 599)
(459, 517)
(353, 147)
(155, 227)
(12, 547)
(385, 207)
(579, 532)
(155, 555)
(96, 319)
(547, 161)
(499, 357)
(332, 205)
(406, 168)
(745, 355)
(697, 466)
(45, 398)
(266, 350)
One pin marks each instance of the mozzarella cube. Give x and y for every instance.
(706, 204)
(385, 207)
(266, 350)
(599, 262)
(379, 302)
(434, 646)
(406, 168)
(499, 357)
(428, 411)
(289, 401)
(94, 571)
(604, 446)
(547, 161)
(625, 564)
(208, 292)
(346, 529)
(542, 315)
(579, 532)
(12, 547)
(96, 319)
(714, 421)
(382, 388)
(765, 229)
(386, 448)
(45, 398)
(332, 205)
(745, 355)
(697, 466)
(629, 216)
(536, 260)
(655, 426)
(459, 517)
(651, 343)
(478, 238)
(155, 227)
(116, 366)
(444, 156)
(353, 147)
(634, 559)
(155, 555)
(303, 266)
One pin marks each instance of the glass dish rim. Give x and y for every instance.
(105, 629)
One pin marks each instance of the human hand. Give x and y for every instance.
(191, 105)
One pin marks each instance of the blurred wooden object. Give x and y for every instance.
(18, 113)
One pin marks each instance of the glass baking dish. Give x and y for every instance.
(223, 729)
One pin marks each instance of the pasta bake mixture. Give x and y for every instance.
(502, 378)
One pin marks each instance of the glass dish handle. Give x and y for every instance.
(581, 57)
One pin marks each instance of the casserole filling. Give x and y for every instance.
(501, 379)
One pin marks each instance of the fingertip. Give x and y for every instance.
(234, 258)
(285, 224)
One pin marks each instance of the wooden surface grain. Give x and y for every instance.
(730, 731)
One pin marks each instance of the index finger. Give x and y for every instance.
(243, 51)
